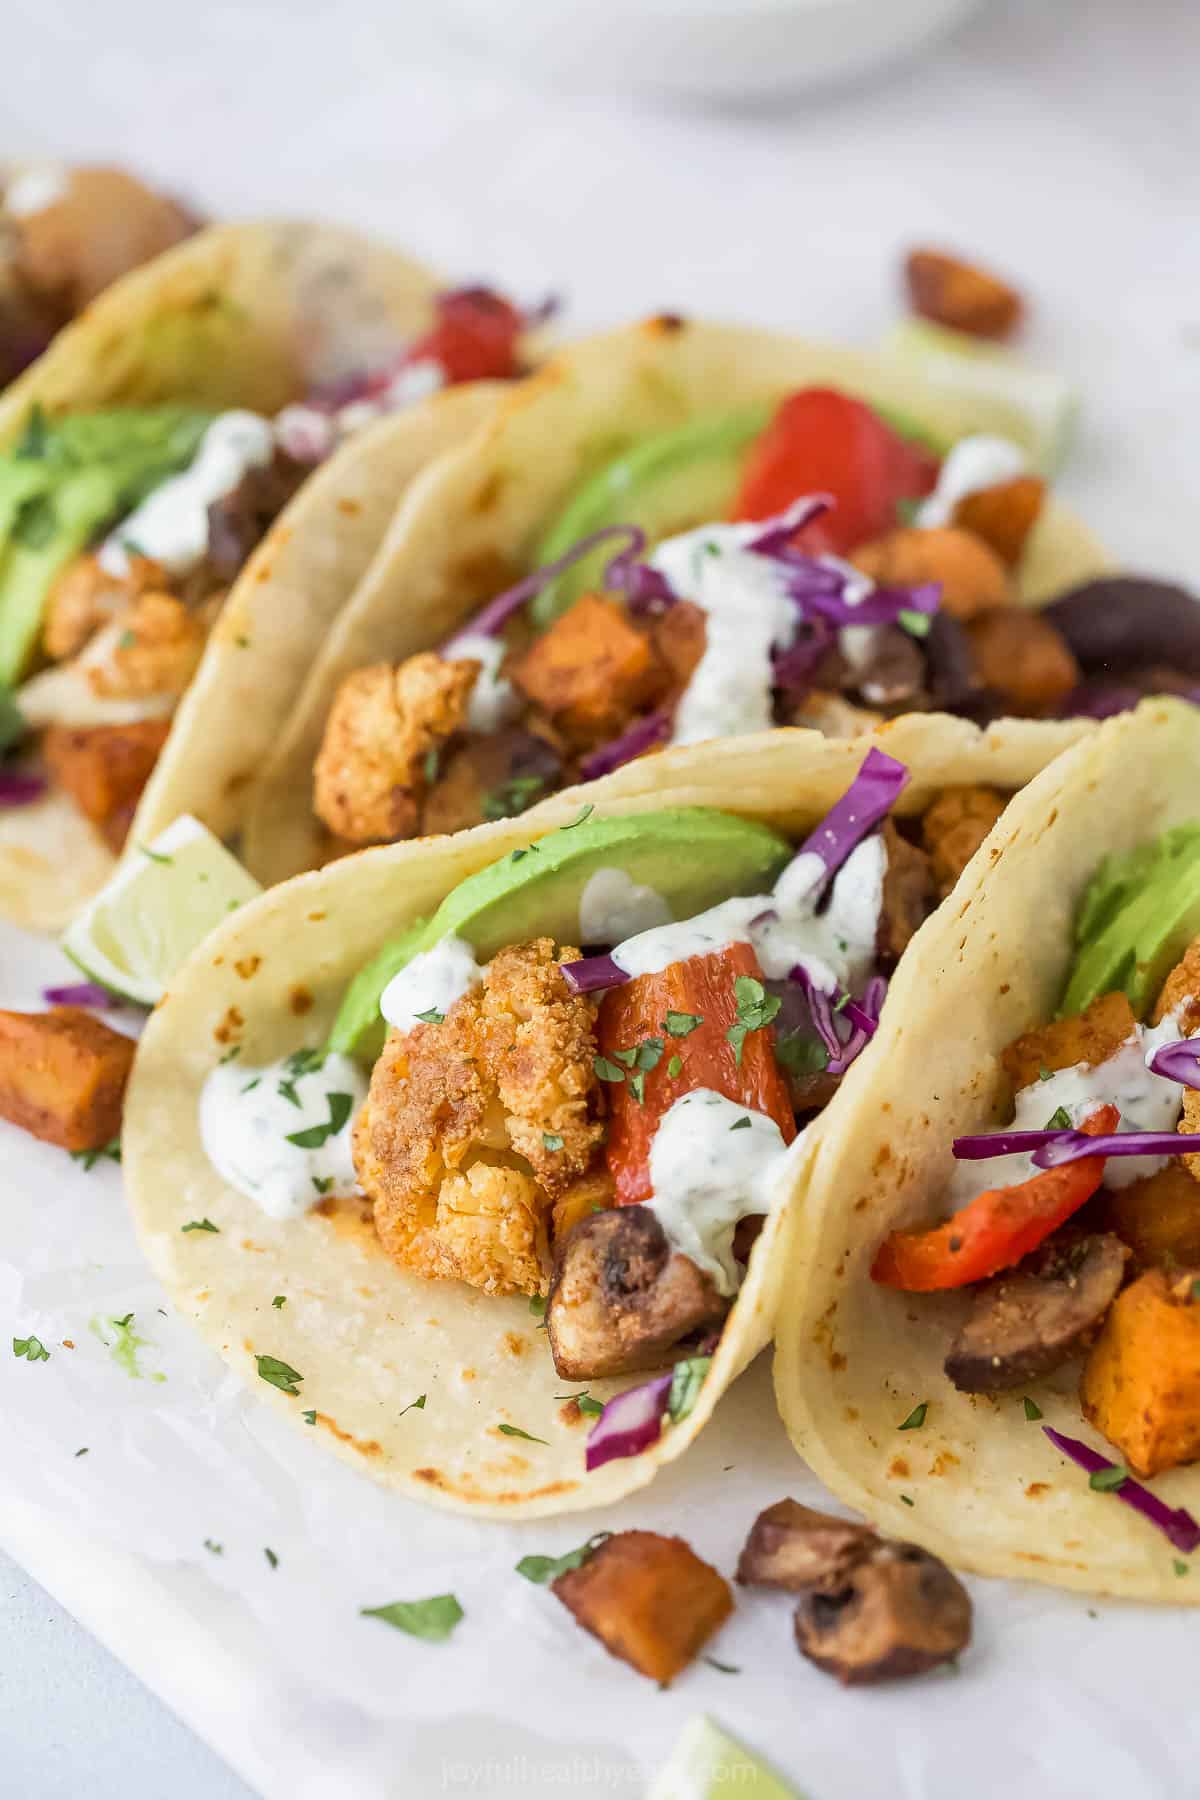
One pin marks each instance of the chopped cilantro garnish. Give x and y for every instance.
(584, 1402)
(1107, 1481)
(271, 1557)
(1045, 1074)
(908, 1500)
(742, 1124)
(279, 1302)
(680, 1024)
(915, 1419)
(755, 1008)
(340, 1108)
(543, 1569)
(551, 1140)
(304, 1062)
(512, 797)
(1180, 1567)
(430, 766)
(82, 1451)
(649, 1053)
(1032, 1410)
(87, 1159)
(287, 1091)
(607, 1071)
(628, 1057)
(675, 1067)
(31, 1348)
(217, 1549)
(517, 855)
(417, 1405)
(251, 1085)
(200, 1225)
(637, 1087)
(433, 1619)
(537, 1305)
(232, 1054)
(310, 1417)
(585, 813)
(125, 1323)
(322, 1183)
(724, 1668)
(1059, 1120)
(800, 1054)
(155, 855)
(515, 1431)
(279, 1374)
(431, 1016)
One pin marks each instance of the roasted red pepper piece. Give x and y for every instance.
(823, 442)
(701, 987)
(997, 1228)
(475, 338)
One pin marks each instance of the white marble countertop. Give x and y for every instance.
(1060, 141)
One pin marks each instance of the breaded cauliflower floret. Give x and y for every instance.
(86, 597)
(475, 1127)
(369, 776)
(955, 826)
(155, 654)
(1181, 994)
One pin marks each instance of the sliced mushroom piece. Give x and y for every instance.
(899, 1611)
(621, 1298)
(909, 895)
(892, 674)
(1025, 1323)
(793, 1546)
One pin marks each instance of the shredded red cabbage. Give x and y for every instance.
(1053, 1148)
(491, 619)
(630, 1423)
(825, 1008)
(1178, 1062)
(869, 798)
(20, 787)
(80, 993)
(641, 736)
(1176, 1523)
(592, 973)
(646, 589)
(777, 532)
(795, 668)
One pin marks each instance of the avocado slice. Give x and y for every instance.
(666, 483)
(692, 856)
(1139, 914)
(61, 487)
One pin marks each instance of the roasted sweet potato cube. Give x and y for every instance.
(63, 1075)
(105, 767)
(954, 827)
(960, 294)
(968, 571)
(1141, 1381)
(492, 777)
(649, 1599)
(1022, 658)
(1159, 1217)
(792, 1546)
(1089, 1037)
(590, 671)
(1003, 515)
(590, 1194)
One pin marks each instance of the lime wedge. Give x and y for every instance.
(165, 897)
(999, 391)
(707, 1764)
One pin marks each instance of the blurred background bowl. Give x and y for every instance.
(725, 50)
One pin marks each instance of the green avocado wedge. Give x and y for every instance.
(690, 857)
(1137, 918)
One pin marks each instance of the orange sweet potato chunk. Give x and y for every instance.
(1003, 515)
(105, 767)
(1089, 1037)
(1141, 1381)
(63, 1075)
(649, 1599)
(590, 671)
(960, 294)
(1158, 1217)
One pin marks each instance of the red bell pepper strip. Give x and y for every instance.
(823, 442)
(636, 1015)
(997, 1228)
(475, 337)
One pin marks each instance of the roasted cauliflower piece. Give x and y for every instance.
(475, 1127)
(370, 774)
(955, 826)
(86, 597)
(155, 655)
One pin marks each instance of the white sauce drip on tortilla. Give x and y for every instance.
(712, 1163)
(246, 1120)
(431, 982)
(171, 524)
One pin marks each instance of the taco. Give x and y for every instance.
(993, 1340)
(637, 625)
(157, 459)
(438, 1095)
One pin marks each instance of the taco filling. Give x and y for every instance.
(1076, 1228)
(122, 531)
(835, 572)
(599, 1121)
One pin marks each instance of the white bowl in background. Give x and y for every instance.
(700, 49)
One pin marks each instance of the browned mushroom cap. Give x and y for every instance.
(621, 1298)
(1024, 1324)
(909, 895)
(899, 1612)
(792, 1546)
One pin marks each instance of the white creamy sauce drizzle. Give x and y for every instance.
(708, 1170)
(64, 694)
(1146, 1102)
(494, 700)
(973, 464)
(171, 524)
(431, 982)
(613, 906)
(747, 615)
(411, 384)
(836, 946)
(32, 190)
(246, 1120)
